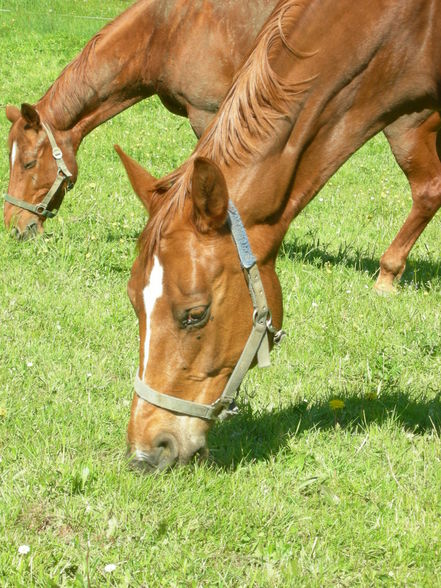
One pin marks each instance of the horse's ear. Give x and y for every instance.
(210, 195)
(142, 182)
(31, 116)
(12, 113)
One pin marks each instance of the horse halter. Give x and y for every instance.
(257, 342)
(63, 173)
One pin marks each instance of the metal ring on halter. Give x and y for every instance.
(57, 153)
(277, 335)
(256, 318)
(269, 320)
(40, 208)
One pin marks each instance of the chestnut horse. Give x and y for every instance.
(309, 95)
(163, 47)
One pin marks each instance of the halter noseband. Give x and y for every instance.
(63, 173)
(257, 342)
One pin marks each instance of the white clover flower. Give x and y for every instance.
(109, 568)
(29, 364)
(24, 549)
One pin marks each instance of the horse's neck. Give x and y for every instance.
(108, 76)
(365, 82)
(353, 97)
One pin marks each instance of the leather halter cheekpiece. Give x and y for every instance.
(63, 173)
(257, 342)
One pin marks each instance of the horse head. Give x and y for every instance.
(42, 167)
(195, 313)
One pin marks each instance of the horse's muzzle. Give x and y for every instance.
(163, 455)
(30, 231)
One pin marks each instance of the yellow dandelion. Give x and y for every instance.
(2, 411)
(336, 404)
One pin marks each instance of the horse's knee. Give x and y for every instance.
(427, 197)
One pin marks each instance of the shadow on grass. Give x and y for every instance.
(315, 252)
(252, 437)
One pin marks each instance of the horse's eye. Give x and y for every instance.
(196, 316)
(30, 164)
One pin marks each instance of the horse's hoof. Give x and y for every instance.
(385, 289)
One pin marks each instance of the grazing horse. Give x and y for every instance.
(187, 53)
(308, 96)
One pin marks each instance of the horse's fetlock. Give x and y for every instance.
(392, 267)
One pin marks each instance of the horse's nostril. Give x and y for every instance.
(16, 233)
(167, 450)
(30, 231)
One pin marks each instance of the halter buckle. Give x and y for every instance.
(228, 412)
(40, 209)
(57, 153)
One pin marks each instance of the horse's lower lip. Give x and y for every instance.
(149, 463)
(141, 461)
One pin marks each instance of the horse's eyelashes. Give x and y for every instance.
(30, 164)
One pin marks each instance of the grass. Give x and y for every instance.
(295, 493)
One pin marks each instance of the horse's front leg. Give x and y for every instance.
(414, 142)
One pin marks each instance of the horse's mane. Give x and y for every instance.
(257, 99)
(80, 70)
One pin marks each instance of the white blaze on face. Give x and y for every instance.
(13, 153)
(151, 294)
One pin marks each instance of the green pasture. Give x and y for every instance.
(295, 493)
